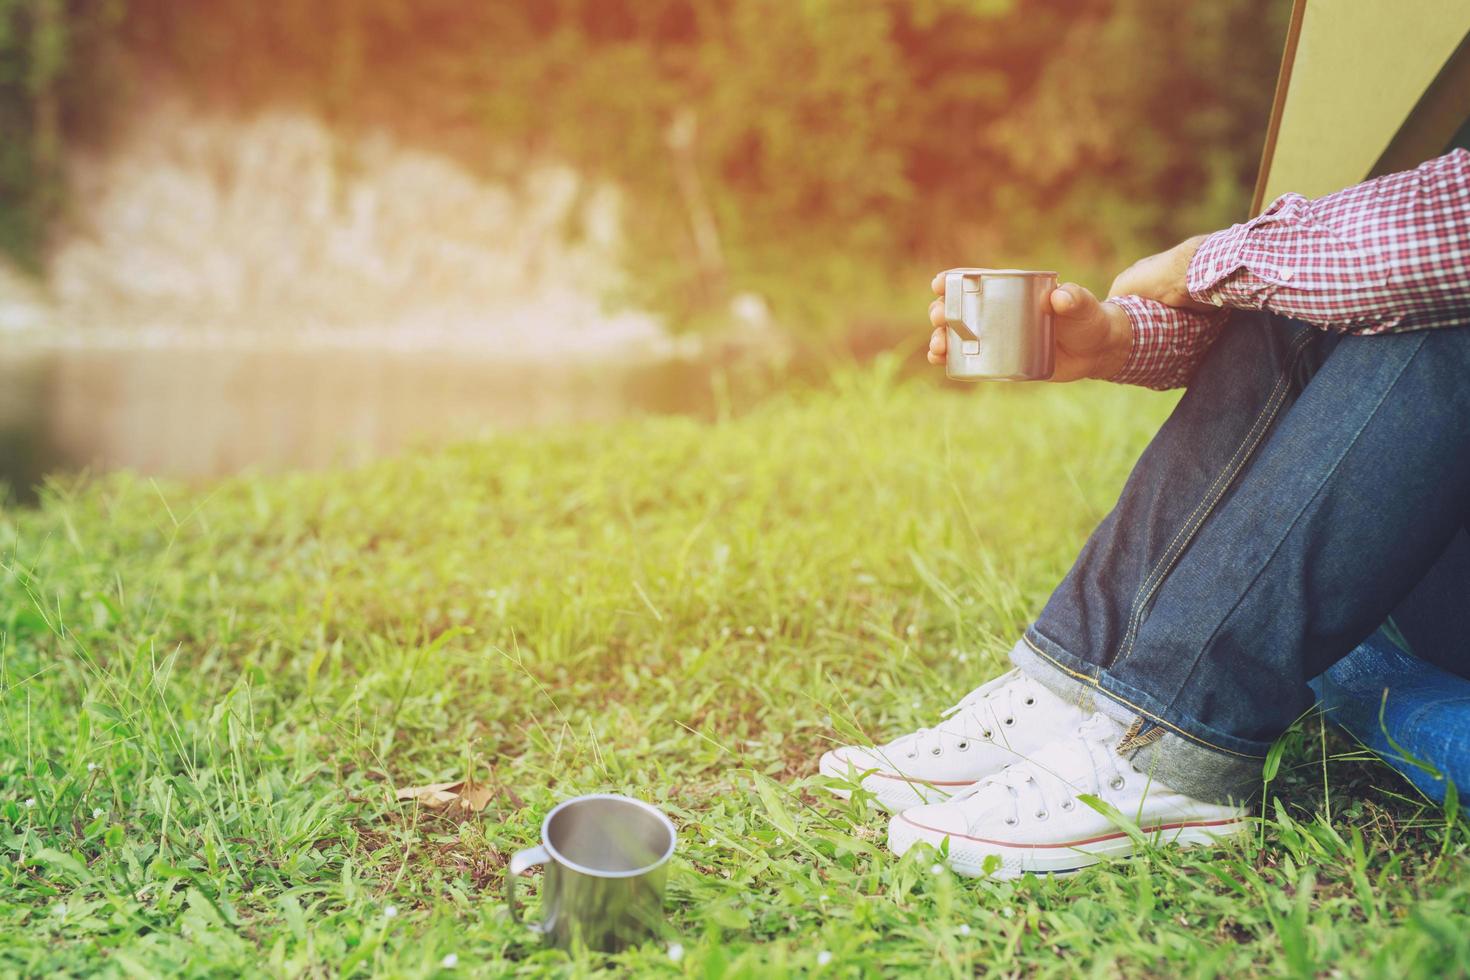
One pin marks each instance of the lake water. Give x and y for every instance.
(204, 411)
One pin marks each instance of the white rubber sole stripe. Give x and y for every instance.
(967, 855)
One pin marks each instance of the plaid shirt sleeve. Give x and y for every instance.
(1390, 254)
(1167, 342)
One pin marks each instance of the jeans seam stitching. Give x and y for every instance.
(1195, 519)
(1305, 504)
(1136, 607)
(1143, 711)
(1217, 489)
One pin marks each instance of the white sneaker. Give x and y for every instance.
(1029, 817)
(997, 723)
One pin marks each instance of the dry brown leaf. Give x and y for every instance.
(464, 794)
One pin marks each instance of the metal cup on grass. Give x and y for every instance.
(1000, 324)
(606, 861)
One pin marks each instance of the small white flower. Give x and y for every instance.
(823, 958)
(60, 909)
(911, 630)
(823, 897)
(390, 911)
(709, 842)
(964, 928)
(450, 961)
(1008, 912)
(30, 802)
(725, 632)
(91, 767)
(96, 812)
(676, 952)
(750, 631)
(779, 841)
(936, 869)
(964, 657)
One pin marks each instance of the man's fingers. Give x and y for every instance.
(936, 313)
(937, 285)
(938, 345)
(1127, 283)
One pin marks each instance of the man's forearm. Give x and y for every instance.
(1389, 254)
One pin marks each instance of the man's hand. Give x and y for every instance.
(1163, 277)
(1093, 339)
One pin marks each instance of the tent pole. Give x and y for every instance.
(1278, 104)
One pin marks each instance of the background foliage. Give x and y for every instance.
(53, 75)
(794, 148)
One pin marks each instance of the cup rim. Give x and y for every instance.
(1003, 272)
(561, 859)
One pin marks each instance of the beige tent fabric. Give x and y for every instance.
(1359, 69)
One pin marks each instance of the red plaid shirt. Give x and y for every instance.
(1387, 255)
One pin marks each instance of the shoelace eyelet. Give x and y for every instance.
(962, 746)
(913, 755)
(1068, 804)
(1042, 814)
(1117, 783)
(936, 750)
(1029, 702)
(988, 734)
(1009, 722)
(1011, 821)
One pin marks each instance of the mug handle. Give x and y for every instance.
(520, 862)
(961, 296)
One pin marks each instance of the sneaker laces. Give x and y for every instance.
(977, 714)
(1053, 779)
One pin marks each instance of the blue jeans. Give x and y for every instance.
(1412, 713)
(1305, 489)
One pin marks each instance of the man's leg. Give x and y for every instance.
(1301, 488)
(1405, 691)
(1255, 371)
(1271, 526)
(1433, 621)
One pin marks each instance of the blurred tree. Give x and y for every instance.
(55, 84)
(792, 146)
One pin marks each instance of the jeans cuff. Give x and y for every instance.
(1156, 745)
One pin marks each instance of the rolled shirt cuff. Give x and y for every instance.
(1241, 266)
(1167, 342)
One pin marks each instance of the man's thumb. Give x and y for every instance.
(1072, 301)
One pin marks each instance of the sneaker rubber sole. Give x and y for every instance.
(967, 855)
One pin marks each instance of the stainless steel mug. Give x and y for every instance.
(1000, 324)
(606, 859)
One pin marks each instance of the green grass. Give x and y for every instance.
(208, 694)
